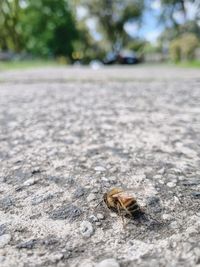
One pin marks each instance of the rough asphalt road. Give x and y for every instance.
(67, 135)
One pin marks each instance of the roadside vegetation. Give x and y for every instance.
(85, 30)
(10, 65)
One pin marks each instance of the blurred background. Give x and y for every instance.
(97, 32)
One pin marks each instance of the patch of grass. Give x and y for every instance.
(190, 64)
(10, 65)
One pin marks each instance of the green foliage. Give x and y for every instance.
(52, 31)
(42, 27)
(16, 64)
(172, 33)
(171, 7)
(174, 27)
(184, 47)
(190, 64)
(188, 46)
(137, 46)
(10, 31)
(151, 49)
(182, 35)
(175, 50)
(48, 28)
(112, 16)
(85, 47)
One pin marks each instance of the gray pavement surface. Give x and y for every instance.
(67, 135)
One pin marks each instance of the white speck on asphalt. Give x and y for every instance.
(108, 263)
(4, 240)
(86, 229)
(29, 182)
(99, 169)
(91, 197)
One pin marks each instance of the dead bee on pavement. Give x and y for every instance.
(123, 203)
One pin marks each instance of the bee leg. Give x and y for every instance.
(123, 221)
(127, 211)
(99, 203)
(154, 219)
(121, 215)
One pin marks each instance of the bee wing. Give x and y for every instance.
(141, 192)
(123, 196)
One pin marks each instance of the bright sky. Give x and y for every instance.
(150, 28)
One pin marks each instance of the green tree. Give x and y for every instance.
(42, 27)
(10, 34)
(169, 9)
(49, 27)
(112, 16)
(175, 28)
(184, 47)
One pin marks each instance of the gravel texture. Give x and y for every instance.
(108, 263)
(67, 135)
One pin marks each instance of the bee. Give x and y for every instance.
(122, 203)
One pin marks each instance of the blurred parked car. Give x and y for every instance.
(123, 57)
(111, 58)
(127, 57)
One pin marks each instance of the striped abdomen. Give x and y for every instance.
(131, 205)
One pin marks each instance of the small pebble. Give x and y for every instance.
(4, 240)
(108, 263)
(86, 263)
(158, 176)
(91, 197)
(105, 179)
(113, 215)
(29, 182)
(173, 225)
(99, 169)
(82, 159)
(113, 169)
(176, 200)
(171, 184)
(86, 229)
(100, 216)
(93, 218)
(167, 217)
(95, 190)
(57, 257)
(161, 171)
(172, 177)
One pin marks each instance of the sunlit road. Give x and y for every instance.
(67, 135)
